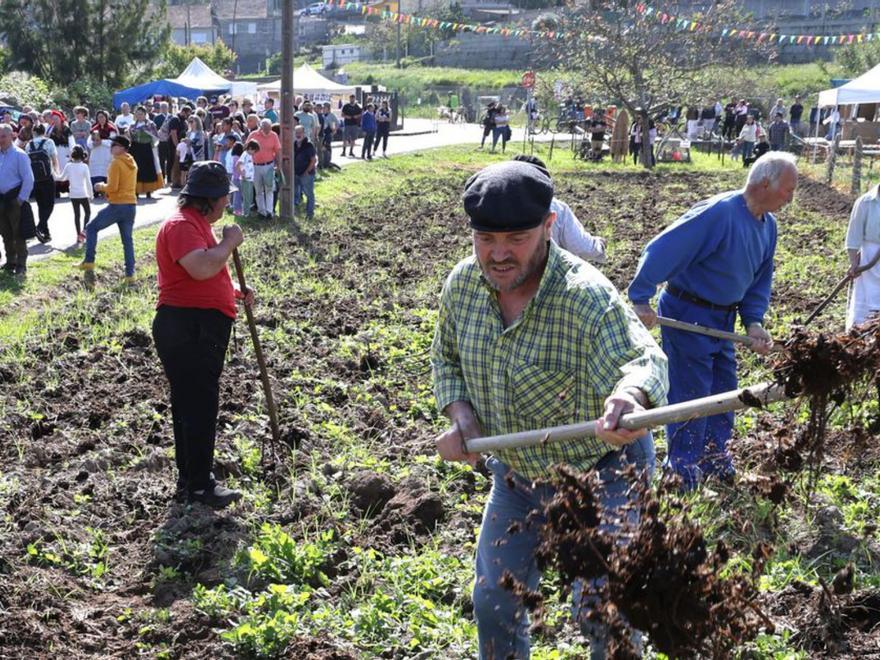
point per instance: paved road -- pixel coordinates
(422, 134)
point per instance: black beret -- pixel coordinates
(508, 196)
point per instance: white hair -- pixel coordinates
(266, 122)
(770, 167)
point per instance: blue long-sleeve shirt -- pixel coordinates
(718, 251)
(15, 170)
(368, 122)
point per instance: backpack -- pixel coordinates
(41, 165)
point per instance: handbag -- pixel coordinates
(27, 228)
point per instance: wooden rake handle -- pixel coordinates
(750, 397)
(258, 349)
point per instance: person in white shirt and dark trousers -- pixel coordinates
(76, 171)
(862, 246)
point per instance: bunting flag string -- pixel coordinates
(664, 18)
(759, 37)
(433, 23)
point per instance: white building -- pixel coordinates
(337, 55)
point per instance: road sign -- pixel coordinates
(528, 79)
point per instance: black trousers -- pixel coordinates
(367, 147)
(86, 209)
(166, 158)
(44, 196)
(192, 344)
(381, 137)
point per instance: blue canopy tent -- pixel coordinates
(196, 80)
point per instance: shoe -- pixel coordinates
(9, 268)
(86, 265)
(128, 280)
(43, 236)
(218, 497)
(20, 271)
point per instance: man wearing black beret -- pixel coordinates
(530, 336)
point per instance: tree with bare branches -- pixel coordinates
(644, 59)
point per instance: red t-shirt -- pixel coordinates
(183, 232)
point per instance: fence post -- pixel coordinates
(856, 188)
(832, 158)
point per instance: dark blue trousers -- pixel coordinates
(698, 366)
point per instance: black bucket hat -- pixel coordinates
(122, 141)
(207, 178)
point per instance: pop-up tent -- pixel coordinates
(196, 80)
(308, 81)
(864, 89)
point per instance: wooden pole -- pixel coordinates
(680, 412)
(288, 48)
(703, 330)
(261, 361)
(842, 283)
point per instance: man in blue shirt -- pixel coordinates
(717, 261)
(16, 184)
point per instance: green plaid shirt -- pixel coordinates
(575, 343)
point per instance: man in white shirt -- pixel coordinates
(568, 232)
(124, 119)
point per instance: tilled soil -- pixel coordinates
(86, 482)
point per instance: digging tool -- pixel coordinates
(715, 404)
(846, 279)
(703, 330)
(258, 349)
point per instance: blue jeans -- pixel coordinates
(122, 215)
(698, 366)
(747, 148)
(304, 184)
(502, 623)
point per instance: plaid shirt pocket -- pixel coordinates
(542, 396)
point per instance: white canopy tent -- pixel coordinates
(309, 82)
(198, 74)
(864, 89)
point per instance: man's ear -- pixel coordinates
(548, 224)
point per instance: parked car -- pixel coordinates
(314, 9)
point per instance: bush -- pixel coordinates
(20, 89)
(86, 91)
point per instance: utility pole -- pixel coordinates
(398, 32)
(288, 45)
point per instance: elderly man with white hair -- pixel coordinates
(717, 263)
(266, 161)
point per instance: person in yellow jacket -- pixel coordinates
(122, 202)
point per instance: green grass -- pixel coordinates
(417, 77)
(277, 587)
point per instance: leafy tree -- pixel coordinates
(640, 60)
(175, 59)
(20, 89)
(63, 41)
(855, 58)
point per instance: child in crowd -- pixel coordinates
(81, 127)
(235, 155)
(76, 171)
(184, 158)
(245, 168)
(99, 159)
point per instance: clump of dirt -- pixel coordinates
(663, 580)
(828, 624)
(413, 511)
(823, 369)
(370, 491)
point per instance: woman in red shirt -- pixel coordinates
(193, 321)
